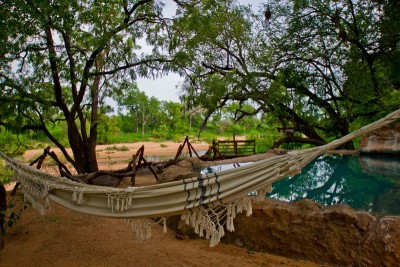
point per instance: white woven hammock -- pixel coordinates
(208, 202)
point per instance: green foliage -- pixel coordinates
(17, 144)
(5, 173)
(315, 65)
(318, 66)
(265, 139)
(126, 123)
(391, 99)
(127, 138)
(60, 60)
(161, 135)
(107, 127)
(60, 132)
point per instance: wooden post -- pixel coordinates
(131, 164)
(178, 153)
(151, 168)
(234, 145)
(139, 154)
(188, 145)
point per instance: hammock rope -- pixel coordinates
(208, 202)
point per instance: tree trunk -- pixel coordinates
(190, 123)
(137, 122)
(83, 163)
(91, 144)
(143, 124)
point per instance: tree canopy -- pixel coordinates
(59, 60)
(320, 67)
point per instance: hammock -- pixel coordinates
(207, 202)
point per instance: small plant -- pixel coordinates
(250, 252)
(163, 145)
(13, 212)
(51, 218)
(118, 148)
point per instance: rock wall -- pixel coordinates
(383, 141)
(381, 166)
(335, 235)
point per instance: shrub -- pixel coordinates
(118, 148)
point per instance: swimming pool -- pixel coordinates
(363, 182)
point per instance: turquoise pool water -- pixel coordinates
(365, 183)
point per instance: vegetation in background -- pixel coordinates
(321, 68)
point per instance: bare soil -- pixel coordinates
(66, 238)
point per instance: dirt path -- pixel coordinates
(66, 238)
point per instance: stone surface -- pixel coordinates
(335, 235)
(180, 171)
(383, 141)
(378, 166)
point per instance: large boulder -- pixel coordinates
(336, 235)
(383, 141)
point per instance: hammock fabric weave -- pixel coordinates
(208, 202)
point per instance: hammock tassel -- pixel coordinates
(47, 203)
(80, 198)
(164, 225)
(122, 205)
(263, 191)
(148, 232)
(141, 228)
(74, 195)
(248, 207)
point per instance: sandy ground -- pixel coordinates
(66, 238)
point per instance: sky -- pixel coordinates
(167, 88)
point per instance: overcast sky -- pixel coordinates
(167, 88)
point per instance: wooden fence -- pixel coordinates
(236, 148)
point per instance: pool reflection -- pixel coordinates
(364, 183)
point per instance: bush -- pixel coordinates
(167, 135)
(5, 174)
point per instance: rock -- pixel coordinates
(308, 205)
(182, 170)
(238, 242)
(340, 214)
(335, 235)
(106, 180)
(364, 220)
(383, 141)
(379, 166)
(184, 164)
